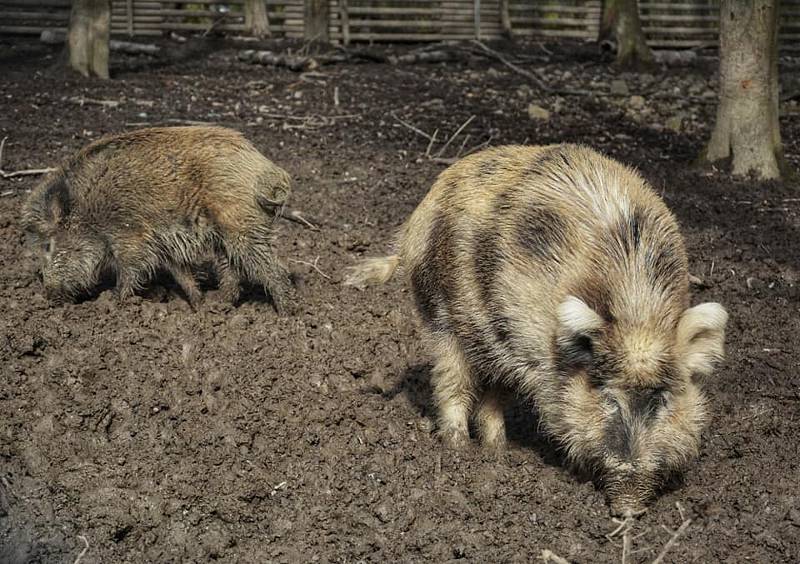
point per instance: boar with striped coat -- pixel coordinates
(161, 199)
(559, 274)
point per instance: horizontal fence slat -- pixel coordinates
(683, 23)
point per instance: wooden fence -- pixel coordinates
(667, 24)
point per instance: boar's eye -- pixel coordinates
(647, 402)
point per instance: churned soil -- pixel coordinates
(146, 432)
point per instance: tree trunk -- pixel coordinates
(89, 30)
(316, 20)
(256, 19)
(620, 24)
(505, 19)
(747, 116)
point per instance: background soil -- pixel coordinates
(160, 435)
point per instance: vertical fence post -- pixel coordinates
(344, 18)
(477, 18)
(316, 20)
(129, 14)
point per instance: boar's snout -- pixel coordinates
(53, 289)
(629, 493)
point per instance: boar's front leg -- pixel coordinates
(182, 274)
(252, 254)
(227, 279)
(490, 418)
(453, 390)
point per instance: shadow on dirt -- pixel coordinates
(522, 421)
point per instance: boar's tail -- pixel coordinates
(376, 270)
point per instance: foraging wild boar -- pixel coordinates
(161, 199)
(559, 274)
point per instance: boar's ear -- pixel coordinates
(47, 206)
(701, 337)
(577, 326)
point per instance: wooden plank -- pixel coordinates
(672, 18)
(399, 11)
(28, 29)
(679, 30)
(644, 6)
(550, 22)
(5, 16)
(37, 3)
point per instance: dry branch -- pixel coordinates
(671, 542)
(56, 37)
(27, 172)
(301, 61)
(550, 556)
(527, 74)
(83, 552)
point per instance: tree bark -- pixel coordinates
(256, 19)
(505, 19)
(620, 24)
(316, 20)
(89, 30)
(747, 115)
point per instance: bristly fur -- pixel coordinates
(161, 199)
(560, 274)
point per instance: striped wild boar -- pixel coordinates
(559, 274)
(161, 199)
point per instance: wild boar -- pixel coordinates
(158, 199)
(559, 274)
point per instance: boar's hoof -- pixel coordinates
(284, 302)
(456, 439)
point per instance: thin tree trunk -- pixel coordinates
(316, 20)
(505, 19)
(256, 19)
(747, 116)
(620, 24)
(89, 30)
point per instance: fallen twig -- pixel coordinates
(170, 121)
(57, 37)
(550, 556)
(82, 101)
(27, 172)
(451, 160)
(671, 542)
(412, 128)
(83, 552)
(312, 265)
(459, 130)
(527, 74)
(624, 526)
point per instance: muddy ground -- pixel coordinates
(149, 433)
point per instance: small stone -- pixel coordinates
(538, 113)
(794, 516)
(636, 102)
(675, 123)
(383, 513)
(619, 88)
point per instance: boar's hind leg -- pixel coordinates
(129, 279)
(453, 390)
(490, 419)
(228, 280)
(182, 274)
(253, 257)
